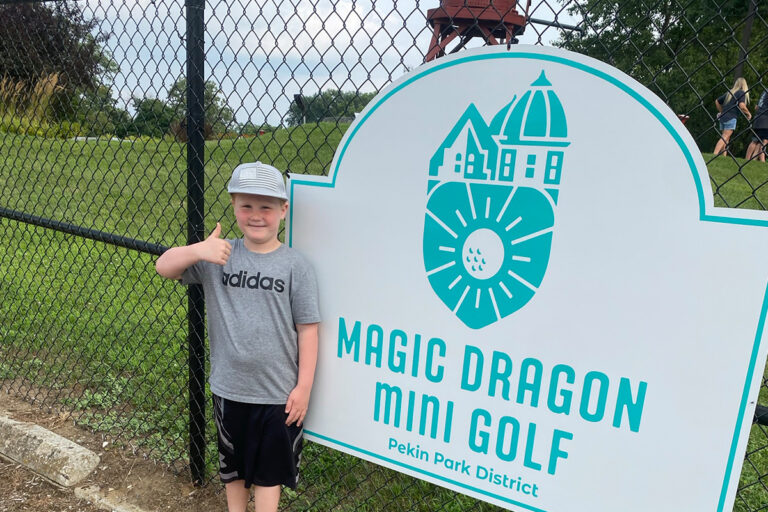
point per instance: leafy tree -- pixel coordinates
(218, 114)
(153, 117)
(685, 52)
(40, 40)
(97, 113)
(331, 104)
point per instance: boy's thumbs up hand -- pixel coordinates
(216, 233)
(215, 249)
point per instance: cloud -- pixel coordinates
(262, 52)
(325, 34)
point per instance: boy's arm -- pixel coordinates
(176, 260)
(298, 400)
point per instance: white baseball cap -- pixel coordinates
(258, 179)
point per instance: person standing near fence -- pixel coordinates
(728, 107)
(263, 315)
(756, 149)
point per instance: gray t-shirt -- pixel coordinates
(253, 305)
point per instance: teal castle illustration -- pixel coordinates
(492, 193)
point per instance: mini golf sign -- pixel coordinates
(528, 294)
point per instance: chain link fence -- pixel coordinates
(120, 123)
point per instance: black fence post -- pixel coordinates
(195, 231)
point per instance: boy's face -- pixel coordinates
(258, 217)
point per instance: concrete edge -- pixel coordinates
(53, 457)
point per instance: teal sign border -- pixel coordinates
(703, 216)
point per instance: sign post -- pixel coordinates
(527, 291)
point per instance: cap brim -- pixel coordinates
(256, 192)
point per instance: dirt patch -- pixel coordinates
(120, 473)
(22, 490)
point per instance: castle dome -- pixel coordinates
(536, 118)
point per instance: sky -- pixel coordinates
(261, 53)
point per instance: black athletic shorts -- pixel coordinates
(256, 445)
(761, 134)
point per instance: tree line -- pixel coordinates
(56, 44)
(54, 68)
(687, 53)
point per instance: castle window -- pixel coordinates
(553, 168)
(475, 168)
(457, 167)
(470, 164)
(507, 169)
(530, 170)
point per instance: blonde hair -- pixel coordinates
(739, 85)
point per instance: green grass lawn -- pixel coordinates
(737, 183)
(96, 330)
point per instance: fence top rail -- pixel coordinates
(81, 231)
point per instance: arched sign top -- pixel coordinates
(707, 210)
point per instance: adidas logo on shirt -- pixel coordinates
(242, 280)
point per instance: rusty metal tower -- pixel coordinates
(496, 21)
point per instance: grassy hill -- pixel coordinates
(91, 326)
(137, 187)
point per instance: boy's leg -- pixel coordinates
(266, 498)
(237, 496)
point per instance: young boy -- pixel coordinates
(263, 316)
